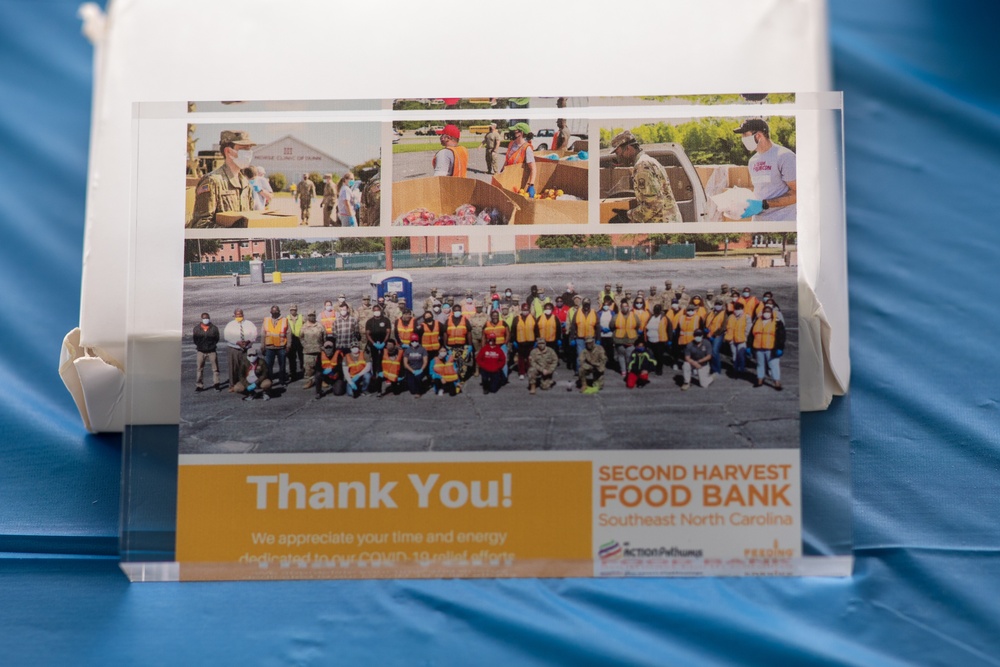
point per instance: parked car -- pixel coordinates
(543, 139)
(684, 181)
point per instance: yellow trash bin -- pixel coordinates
(276, 277)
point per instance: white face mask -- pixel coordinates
(243, 158)
(738, 313)
(767, 316)
(718, 309)
(697, 339)
(329, 308)
(746, 295)
(675, 306)
(606, 308)
(252, 358)
(206, 321)
(750, 143)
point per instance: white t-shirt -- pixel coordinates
(770, 173)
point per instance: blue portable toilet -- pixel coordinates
(399, 282)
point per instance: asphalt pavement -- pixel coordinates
(730, 413)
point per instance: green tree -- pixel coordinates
(317, 180)
(278, 181)
(195, 249)
(296, 247)
(574, 241)
(360, 244)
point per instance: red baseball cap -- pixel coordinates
(451, 131)
(414, 337)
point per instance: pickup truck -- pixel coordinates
(543, 139)
(684, 181)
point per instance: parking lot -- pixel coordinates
(731, 413)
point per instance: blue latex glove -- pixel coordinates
(778, 353)
(754, 206)
(531, 191)
(559, 342)
(350, 383)
(327, 371)
(419, 371)
(468, 350)
(605, 330)
(253, 385)
(514, 344)
(380, 374)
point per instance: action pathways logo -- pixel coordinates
(610, 551)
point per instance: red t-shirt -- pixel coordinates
(491, 358)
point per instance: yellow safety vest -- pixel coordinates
(763, 334)
(688, 326)
(736, 329)
(643, 317)
(328, 320)
(714, 322)
(404, 331)
(548, 328)
(525, 329)
(275, 332)
(330, 362)
(586, 324)
(626, 326)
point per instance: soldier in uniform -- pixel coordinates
(650, 183)
(618, 294)
(304, 193)
(430, 301)
(364, 313)
(313, 336)
(477, 324)
(542, 364)
(491, 142)
(329, 200)
(392, 309)
(593, 362)
(226, 188)
(371, 202)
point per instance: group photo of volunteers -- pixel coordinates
(496, 341)
(699, 353)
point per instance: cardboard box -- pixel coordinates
(572, 180)
(444, 194)
(608, 207)
(255, 219)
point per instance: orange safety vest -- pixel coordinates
(468, 310)
(327, 321)
(355, 366)
(431, 340)
(664, 329)
(764, 333)
(626, 326)
(714, 322)
(556, 138)
(275, 332)
(446, 369)
(673, 316)
(330, 362)
(517, 155)
(404, 331)
(391, 364)
(499, 330)
(525, 329)
(736, 329)
(688, 327)
(750, 305)
(456, 333)
(548, 328)
(701, 311)
(461, 161)
(586, 327)
(643, 317)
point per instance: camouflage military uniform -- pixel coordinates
(476, 325)
(652, 189)
(541, 366)
(592, 365)
(371, 203)
(305, 192)
(392, 310)
(220, 192)
(364, 313)
(329, 202)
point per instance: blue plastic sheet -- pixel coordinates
(922, 134)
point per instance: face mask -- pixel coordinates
(328, 350)
(697, 339)
(329, 309)
(355, 350)
(468, 299)
(275, 315)
(508, 294)
(718, 309)
(436, 309)
(524, 313)
(239, 319)
(206, 321)
(767, 316)
(639, 305)
(243, 158)
(312, 319)
(251, 358)
(606, 308)
(548, 311)
(690, 313)
(378, 313)
(738, 313)
(340, 299)
(746, 294)
(750, 143)
(675, 306)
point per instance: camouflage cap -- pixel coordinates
(235, 137)
(622, 139)
(366, 297)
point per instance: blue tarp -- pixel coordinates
(923, 144)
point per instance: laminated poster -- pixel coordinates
(470, 337)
